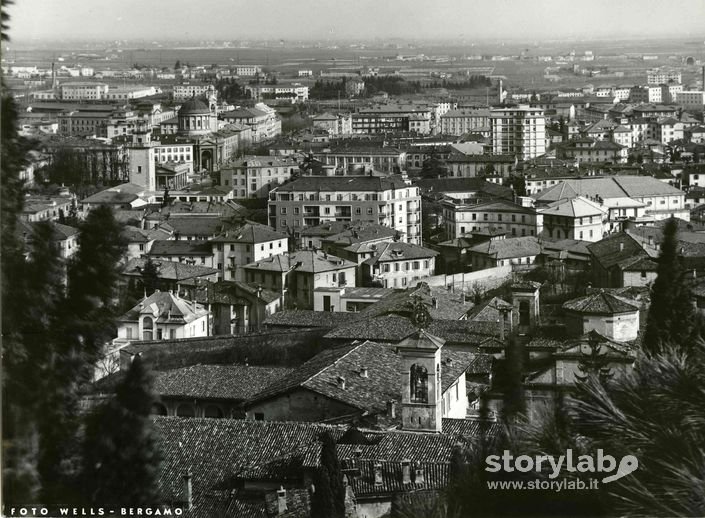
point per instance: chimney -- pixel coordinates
(281, 501)
(391, 408)
(406, 471)
(188, 493)
(419, 477)
(651, 240)
(363, 372)
(378, 474)
(341, 383)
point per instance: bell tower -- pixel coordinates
(141, 158)
(421, 399)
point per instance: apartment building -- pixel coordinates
(463, 120)
(465, 217)
(691, 100)
(519, 131)
(657, 76)
(590, 150)
(384, 159)
(397, 265)
(393, 118)
(575, 218)
(254, 176)
(340, 124)
(248, 70)
(310, 201)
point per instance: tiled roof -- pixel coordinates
(509, 248)
(343, 183)
(309, 318)
(617, 249)
(202, 226)
(607, 187)
(232, 382)
(399, 251)
(361, 477)
(361, 233)
(489, 311)
(181, 248)
(451, 185)
(600, 303)
(448, 305)
(250, 232)
(312, 261)
(573, 208)
(166, 308)
(170, 270)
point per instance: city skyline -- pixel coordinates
(35, 20)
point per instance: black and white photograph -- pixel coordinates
(373, 259)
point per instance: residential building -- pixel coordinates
(340, 124)
(519, 131)
(383, 159)
(691, 100)
(574, 218)
(657, 76)
(297, 274)
(397, 264)
(254, 176)
(504, 252)
(186, 91)
(347, 299)
(620, 260)
(162, 316)
(248, 243)
(465, 217)
(462, 120)
(393, 118)
(605, 312)
(310, 201)
(248, 70)
(656, 200)
(493, 166)
(46, 208)
(590, 150)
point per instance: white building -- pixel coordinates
(83, 91)
(520, 131)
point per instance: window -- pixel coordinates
(418, 383)
(485, 217)
(425, 264)
(296, 210)
(147, 327)
(369, 210)
(358, 210)
(283, 210)
(141, 247)
(417, 265)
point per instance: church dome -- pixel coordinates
(194, 107)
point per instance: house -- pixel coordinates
(347, 299)
(612, 316)
(488, 165)
(243, 244)
(505, 252)
(621, 260)
(398, 264)
(171, 275)
(297, 274)
(574, 218)
(254, 176)
(163, 315)
(590, 150)
(462, 218)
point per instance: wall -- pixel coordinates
(375, 509)
(300, 405)
(268, 348)
(487, 279)
(636, 279)
(618, 327)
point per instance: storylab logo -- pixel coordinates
(601, 463)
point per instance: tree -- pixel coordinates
(513, 385)
(177, 65)
(150, 277)
(120, 454)
(671, 315)
(519, 185)
(329, 496)
(434, 167)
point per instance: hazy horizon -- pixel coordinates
(311, 20)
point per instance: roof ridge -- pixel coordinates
(334, 363)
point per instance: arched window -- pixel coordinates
(158, 409)
(147, 327)
(419, 384)
(185, 410)
(213, 411)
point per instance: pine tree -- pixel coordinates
(671, 315)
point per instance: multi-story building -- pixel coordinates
(384, 159)
(575, 218)
(168, 148)
(296, 92)
(462, 218)
(462, 120)
(340, 124)
(248, 70)
(254, 176)
(590, 150)
(488, 165)
(519, 131)
(657, 76)
(263, 121)
(397, 265)
(691, 100)
(124, 93)
(310, 201)
(83, 91)
(186, 91)
(391, 118)
(250, 242)
(296, 275)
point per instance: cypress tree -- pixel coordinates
(671, 316)
(322, 505)
(329, 460)
(120, 454)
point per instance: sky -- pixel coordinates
(360, 19)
